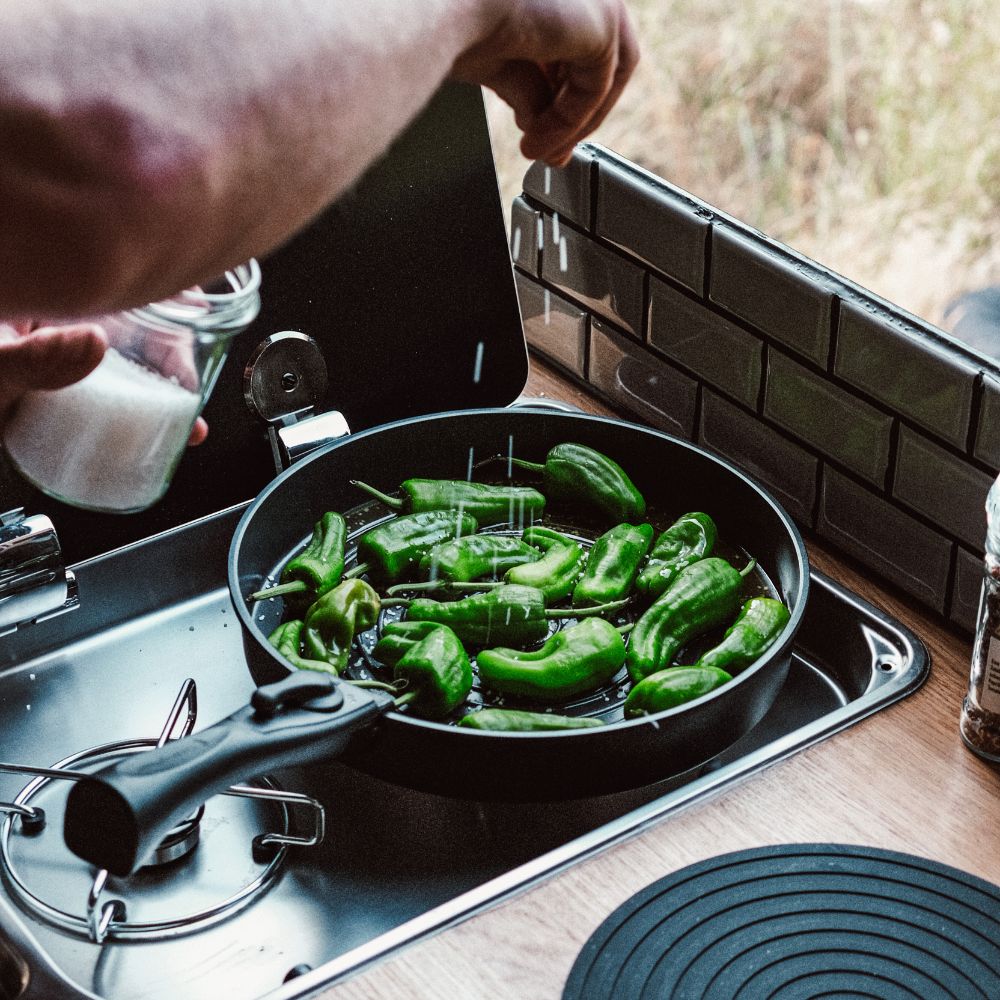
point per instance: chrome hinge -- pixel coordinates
(283, 382)
(34, 582)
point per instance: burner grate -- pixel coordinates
(22, 850)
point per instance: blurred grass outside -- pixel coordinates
(863, 133)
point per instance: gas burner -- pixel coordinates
(198, 859)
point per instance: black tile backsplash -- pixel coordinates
(879, 534)
(987, 445)
(649, 220)
(786, 469)
(565, 191)
(772, 292)
(873, 428)
(836, 423)
(605, 281)
(941, 486)
(526, 235)
(906, 370)
(966, 589)
(721, 353)
(634, 380)
(552, 325)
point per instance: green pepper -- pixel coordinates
(437, 672)
(287, 640)
(556, 573)
(474, 556)
(579, 475)
(704, 595)
(318, 567)
(574, 661)
(488, 504)
(399, 637)
(671, 687)
(507, 720)
(690, 538)
(395, 547)
(336, 618)
(760, 622)
(503, 613)
(613, 564)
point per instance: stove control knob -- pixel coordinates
(306, 689)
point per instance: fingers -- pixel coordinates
(587, 91)
(51, 357)
(198, 433)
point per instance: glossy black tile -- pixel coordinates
(553, 326)
(602, 279)
(987, 443)
(713, 348)
(648, 219)
(631, 378)
(941, 486)
(781, 296)
(783, 467)
(566, 191)
(903, 367)
(884, 538)
(526, 235)
(837, 423)
(966, 589)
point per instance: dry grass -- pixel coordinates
(865, 133)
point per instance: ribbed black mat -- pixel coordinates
(799, 921)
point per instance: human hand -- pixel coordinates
(560, 64)
(51, 357)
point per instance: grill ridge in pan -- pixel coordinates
(799, 920)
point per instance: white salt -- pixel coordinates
(108, 442)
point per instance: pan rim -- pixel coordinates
(779, 648)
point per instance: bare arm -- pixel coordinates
(147, 146)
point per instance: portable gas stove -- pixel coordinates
(287, 883)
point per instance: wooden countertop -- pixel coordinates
(900, 780)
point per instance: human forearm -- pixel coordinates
(144, 147)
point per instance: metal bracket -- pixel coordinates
(284, 380)
(34, 583)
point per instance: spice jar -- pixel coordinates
(980, 719)
(111, 441)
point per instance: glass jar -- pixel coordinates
(112, 441)
(980, 719)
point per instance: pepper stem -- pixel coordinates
(597, 609)
(393, 503)
(748, 569)
(524, 464)
(405, 699)
(625, 629)
(293, 587)
(376, 685)
(397, 602)
(356, 571)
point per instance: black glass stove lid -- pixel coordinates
(799, 920)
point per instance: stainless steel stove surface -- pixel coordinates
(230, 915)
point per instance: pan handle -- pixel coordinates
(116, 817)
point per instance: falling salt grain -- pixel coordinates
(516, 248)
(563, 256)
(555, 227)
(548, 180)
(477, 369)
(541, 234)
(548, 306)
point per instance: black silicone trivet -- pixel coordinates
(799, 921)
